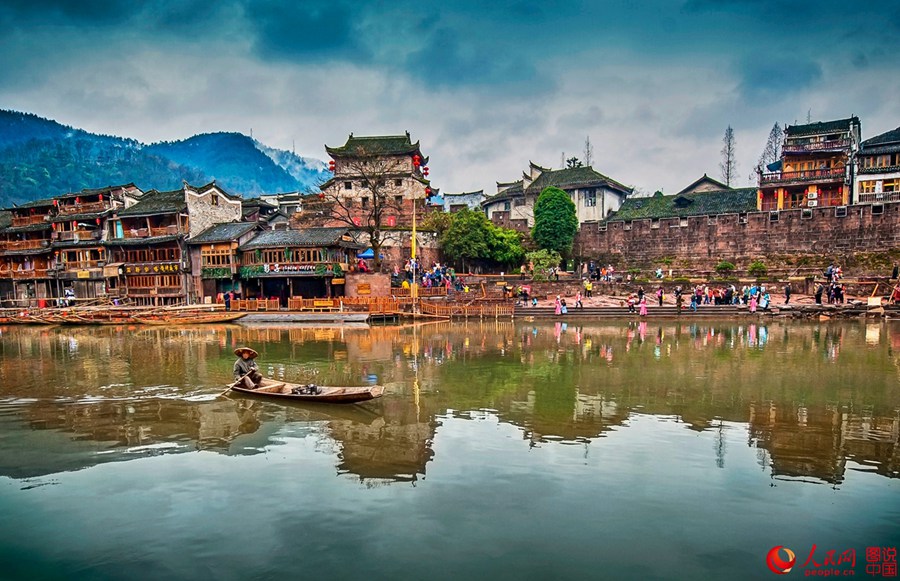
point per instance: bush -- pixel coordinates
(757, 269)
(724, 268)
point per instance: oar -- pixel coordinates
(227, 389)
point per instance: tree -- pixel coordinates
(573, 162)
(543, 260)
(729, 161)
(472, 238)
(555, 222)
(368, 208)
(588, 152)
(772, 151)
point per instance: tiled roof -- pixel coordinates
(698, 204)
(820, 127)
(573, 178)
(94, 192)
(31, 251)
(376, 145)
(29, 228)
(305, 237)
(74, 244)
(5, 219)
(75, 217)
(512, 191)
(154, 202)
(223, 233)
(884, 143)
(209, 186)
(142, 241)
(37, 204)
(705, 179)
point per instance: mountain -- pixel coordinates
(40, 158)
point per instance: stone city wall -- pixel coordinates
(866, 238)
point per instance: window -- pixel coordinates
(877, 209)
(519, 202)
(398, 183)
(773, 216)
(364, 202)
(654, 223)
(506, 205)
(891, 185)
(348, 185)
(867, 187)
(398, 199)
(214, 200)
(590, 198)
(712, 220)
(806, 214)
(840, 212)
(742, 218)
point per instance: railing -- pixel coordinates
(819, 146)
(27, 220)
(803, 175)
(24, 244)
(255, 305)
(28, 274)
(137, 233)
(82, 264)
(435, 291)
(86, 208)
(376, 305)
(155, 291)
(468, 310)
(878, 198)
(148, 232)
(77, 235)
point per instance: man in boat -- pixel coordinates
(245, 368)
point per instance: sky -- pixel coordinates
(485, 87)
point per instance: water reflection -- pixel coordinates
(814, 399)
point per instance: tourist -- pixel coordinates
(558, 310)
(787, 293)
(227, 299)
(660, 295)
(631, 302)
(643, 312)
(640, 293)
(820, 288)
(752, 303)
(562, 307)
(245, 369)
(694, 302)
(578, 304)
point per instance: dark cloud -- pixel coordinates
(776, 78)
(306, 29)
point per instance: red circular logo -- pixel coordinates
(777, 563)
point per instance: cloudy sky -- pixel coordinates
(485, 86)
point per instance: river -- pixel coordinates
(500, 450)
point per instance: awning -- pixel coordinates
(367, 254)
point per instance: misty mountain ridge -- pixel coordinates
(40, 158)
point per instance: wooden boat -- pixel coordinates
(189, 318)
(324, 394)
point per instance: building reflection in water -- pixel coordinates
(812, 397)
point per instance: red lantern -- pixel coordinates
(55, 202)
(425, 171)
(427, 191)
(77, 200)
(321, 195)
(98, 221)
(417, 160)
(331, 166)
(53, 225)
(101, 197)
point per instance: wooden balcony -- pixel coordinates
(77, 235)
(812, 175)
(85, 208)
(82, 264)
(833, 145)
(30, 274)
(879, 198)
(879, 170)
(24, 244)
(19, 221)
(149, 232)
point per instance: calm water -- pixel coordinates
(500, 451)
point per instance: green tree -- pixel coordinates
(543, 260)
(555, 223)
(472, 238)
